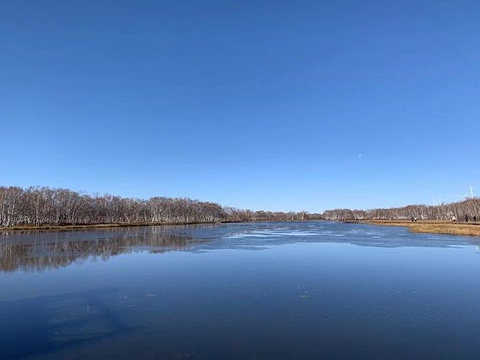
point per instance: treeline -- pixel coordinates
(37, 206)
(468, 207)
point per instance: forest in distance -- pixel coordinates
(467, 208)
(39, 206)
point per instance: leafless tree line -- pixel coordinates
(469, 207)
(37, 206)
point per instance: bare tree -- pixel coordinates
(36, 206)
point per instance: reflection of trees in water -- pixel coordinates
(42, 251)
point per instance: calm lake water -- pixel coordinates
(310, 290)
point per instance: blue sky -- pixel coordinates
(277, 105)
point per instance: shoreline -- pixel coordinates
(431, 226)
(421, 226)
(69, 227)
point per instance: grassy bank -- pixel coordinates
(432, 226)
(92, 226)
(27, 228)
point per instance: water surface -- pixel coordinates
(241, 291)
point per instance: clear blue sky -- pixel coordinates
(279, 105)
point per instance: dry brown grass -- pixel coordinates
(26, 228)
(433, 226)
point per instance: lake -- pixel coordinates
(306, 290)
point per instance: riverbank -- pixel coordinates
(94, 226)
(431, 226)
(28, 228)
(421, 226)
